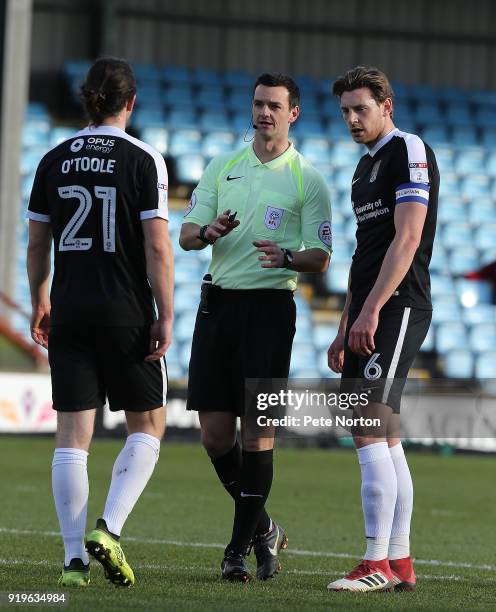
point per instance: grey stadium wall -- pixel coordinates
(442, 42)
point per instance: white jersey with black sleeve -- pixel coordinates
(95, 189)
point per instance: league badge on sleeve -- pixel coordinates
(418, 172)
(273, 217)
(325, 233)
(191, 205)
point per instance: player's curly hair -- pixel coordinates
(276, 79)
(364, 76)
(109, 84)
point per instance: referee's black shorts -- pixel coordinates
(247, 333)
(91, 363)
(382, 375)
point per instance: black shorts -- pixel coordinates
(246, 334)
(89, 364)
(383, 374)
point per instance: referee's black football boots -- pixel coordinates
(267, 546)
(234, 567)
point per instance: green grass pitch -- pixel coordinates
(175, 536)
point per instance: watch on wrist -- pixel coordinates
(288, 258)
(202, 236)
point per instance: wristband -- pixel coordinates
(202, 236)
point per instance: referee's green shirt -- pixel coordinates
(285, 200)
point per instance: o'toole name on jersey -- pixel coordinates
(88, 164)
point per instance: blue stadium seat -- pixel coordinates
(304, 359)
(449, 336)
(214, 120)
(459, 114)
(483, 337)
(346, 154)
(439, 259)
(237, 78)
(144, 117)
(179, 96)
(459, 363)
(428, 112)
(324, 334)
(442, 284)
(446, 309)
(485, 365)
(205, 76)
(308, 126)
(157, 137)
(209, 96)
(59, 134)
(471, 292)
(185, 142)
(445, 159)
(342, 178)
(491, 164)
(470, 160)
(434, 134)
(337, 277)
(485, 235)
(240, 101)
(452, 95)
(146, 71)
(184, 326)
(330, 109)
(463, 259)
(488, 137)
(176, 75)
(481, 210)
(486, 118)
(450, 185)
(215, 143)
(451, 208)
(337, 131)
(474, 185)
(189, 168)
(423, 93)
(480, 313)
(315, 150)
(342, 248)
(465, 135)
(456, 234)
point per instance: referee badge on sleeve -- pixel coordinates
(191, 205)
(325, 233)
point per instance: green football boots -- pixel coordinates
(105, 549)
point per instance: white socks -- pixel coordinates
(132, 470)
(379, 489)
(70, 492)
(399, 543)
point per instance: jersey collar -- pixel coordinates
(106, 130)
(273, 163)
(384, 140)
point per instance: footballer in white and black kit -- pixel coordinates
(385, 318)
(95, 189)
(399, 168)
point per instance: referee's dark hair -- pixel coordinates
(276, 79)
(364, 76)
(109, 84)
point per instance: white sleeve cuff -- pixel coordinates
(37, 217)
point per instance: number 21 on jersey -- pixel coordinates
(68, 239)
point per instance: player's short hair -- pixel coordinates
(108, 86)
(364, 76)
(276, 79)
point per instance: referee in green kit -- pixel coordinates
(258, 207)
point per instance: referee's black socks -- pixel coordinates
(228, 468)
(255, 482)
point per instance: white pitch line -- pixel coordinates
(292, 551)
(190, 568)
